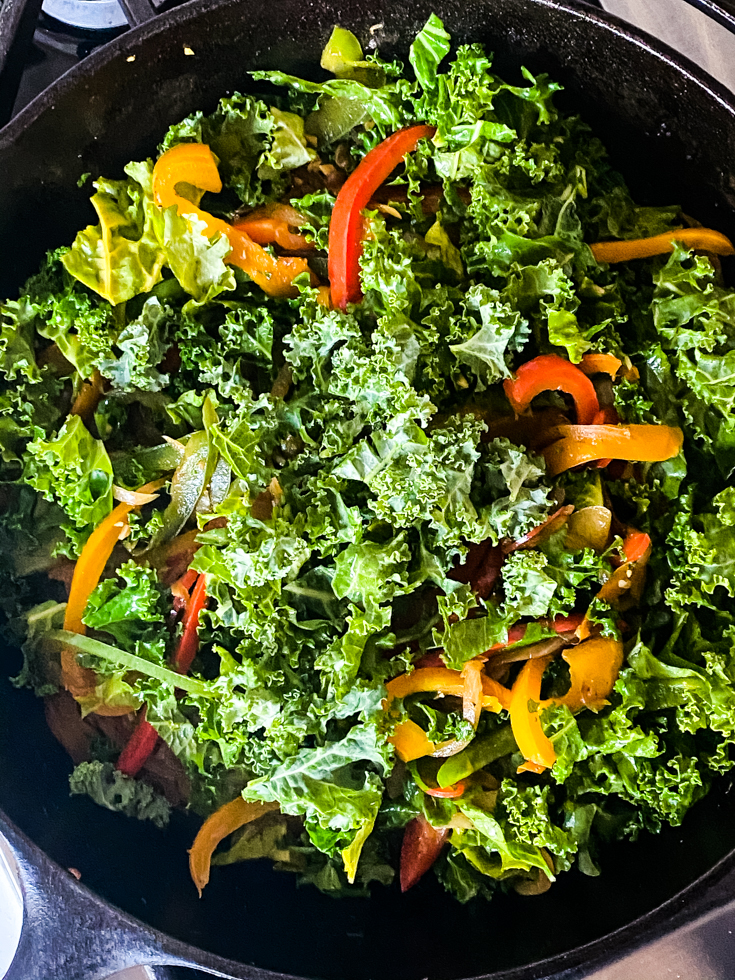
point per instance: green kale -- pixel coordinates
(115, 791)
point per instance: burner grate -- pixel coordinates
(90, 15)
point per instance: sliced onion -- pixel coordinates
(134, 497)
(534, 650)
(472, 694)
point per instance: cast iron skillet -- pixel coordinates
(672, 132)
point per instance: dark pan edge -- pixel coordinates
(124, 43)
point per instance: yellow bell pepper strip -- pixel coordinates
(577, 444)
(194, 164)
(81, 681)
(215, 828)
(549, 372)
(596, 363)
(594, 666)
(443, 680)
(409, 739)
(534, 745)
(703, 239)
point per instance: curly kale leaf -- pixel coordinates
(74, 471)
(115, 791)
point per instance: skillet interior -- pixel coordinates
(673, 140)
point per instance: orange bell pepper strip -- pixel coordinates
(215, 828)
(346, 225)
(525, 724)
(608, 415)
(549, 372)
(703, 239)
(624, 588)
(595, 363)
(275, 276)
(577, 444)
(272, 224)
(194, 164)
(81, 681)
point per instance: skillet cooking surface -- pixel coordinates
(672, 139)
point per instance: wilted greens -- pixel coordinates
(331, 472)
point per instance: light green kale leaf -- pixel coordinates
(72, 470)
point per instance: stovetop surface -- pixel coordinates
(67, 31)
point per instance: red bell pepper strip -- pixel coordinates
(145, 737)
(345, 229)
(636, 544)
(189, 642)
(139, 748)
(560, 624)
(541, 532)
(189, 578)
(442, 792)
(421, 846)
(549, 372)
(447, 792)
